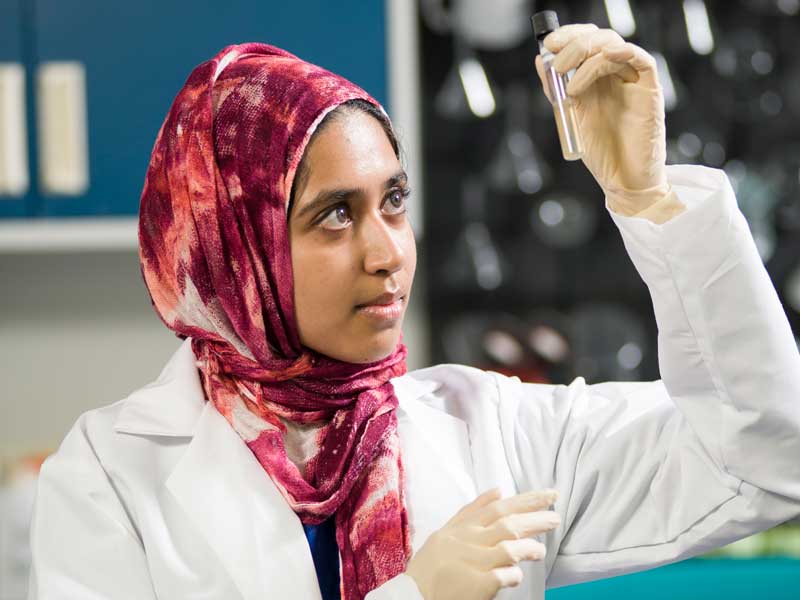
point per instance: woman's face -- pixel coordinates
(351, 242)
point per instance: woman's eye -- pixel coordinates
(397, 201)
(337, 218)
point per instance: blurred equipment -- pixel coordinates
(496, 25)
(620, 17)
(547, 337)
(494, 342)
(757, 200)
(476, 261)
(517, 165)
(792, 289)
(563, 219)
(698, 27)
(466, 90)
(609, 343)
(533, 234)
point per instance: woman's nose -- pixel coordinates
(383, 250)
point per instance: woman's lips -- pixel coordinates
(384, 312)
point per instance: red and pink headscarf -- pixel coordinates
(215, 256)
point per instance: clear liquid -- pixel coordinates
(568, 132)
(563, 110)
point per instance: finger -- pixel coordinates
(520, 503)
(502, 577)
(510, 552)
(477, 504)
(596, 67)
(543, 78)
(637, 58)
(584, 46)
(518, 526)
(564, 35)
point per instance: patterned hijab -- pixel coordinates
(215, 256)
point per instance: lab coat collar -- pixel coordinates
(240, 513)
(171, 404)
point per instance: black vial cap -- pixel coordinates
(544, 22)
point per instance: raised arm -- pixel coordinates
(653, 472)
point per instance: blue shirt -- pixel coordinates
(322, 540)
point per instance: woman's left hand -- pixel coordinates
(619, 105)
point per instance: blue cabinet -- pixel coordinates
(137, 55)
(12, 54)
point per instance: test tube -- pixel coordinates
(543, 23)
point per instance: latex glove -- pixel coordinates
(619, 106)
(477, 551)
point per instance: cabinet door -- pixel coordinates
(137, 55)
(15, 111)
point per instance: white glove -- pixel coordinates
(620, 110)
(477, 551)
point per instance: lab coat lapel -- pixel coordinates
(436, 453)
(221, 487)
(241, 514)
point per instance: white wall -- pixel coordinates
(76, 332)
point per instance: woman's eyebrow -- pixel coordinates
(326, 196)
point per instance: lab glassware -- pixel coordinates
(545, 22)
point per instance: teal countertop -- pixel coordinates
(697, 579)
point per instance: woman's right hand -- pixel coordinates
(477, 551)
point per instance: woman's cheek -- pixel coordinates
(410, 249)
(332, 278)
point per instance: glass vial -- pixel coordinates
(545, 22)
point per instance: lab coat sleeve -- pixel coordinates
(654, 472)
(82, 542)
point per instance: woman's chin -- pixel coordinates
(359, 345)
(374, 349)
(374, 356)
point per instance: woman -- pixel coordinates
(274, 240)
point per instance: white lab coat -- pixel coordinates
(156, 496)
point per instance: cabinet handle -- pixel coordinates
(61, 125)
(13, 132)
